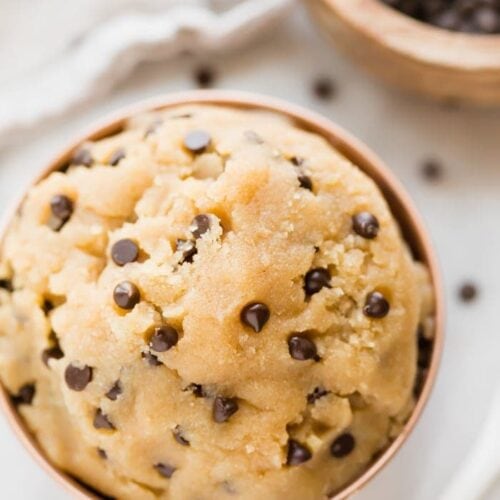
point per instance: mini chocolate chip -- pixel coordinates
(6, 284)
(302, 348)
(255, 315)
(164, 338)
(25, 395)
(179, 436)
(305, 181)
(200, 225)
(197, 390)
(117, 157)
(468, 292)
(204, 77)
(224, 408)
(78, 378)
(126, 295)
(197, 141)
(188, 250)
(342, 445)
(101, 421)
(102, 454)
(53, 352)
(366, 225)
(316, 394)
(297, 160)
(324, 88)
(432, 170)
(151, 359)
(124, 251)
(82, 157)
(47, 306)
(297, 453)
(376, 305)
(115, 391)
(316, 279)
(61, 207)
(165, 470)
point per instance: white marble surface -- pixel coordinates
(461, 211)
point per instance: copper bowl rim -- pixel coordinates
(352, 148)
(400, 32)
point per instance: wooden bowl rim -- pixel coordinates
(348, 145)
(415, 39)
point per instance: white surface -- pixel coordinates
(462, 212)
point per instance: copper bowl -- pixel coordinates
(410, 222)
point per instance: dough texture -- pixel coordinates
(251, 336)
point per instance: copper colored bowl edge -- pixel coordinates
(401, 205)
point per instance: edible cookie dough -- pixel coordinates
(210, 304)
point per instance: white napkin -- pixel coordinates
(73, 51)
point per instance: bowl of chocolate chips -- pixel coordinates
(216, 295)
(445, 49)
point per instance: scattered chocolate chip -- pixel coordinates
(187, 249)
(255, 315)
(151, 359)
(252, 136)
(366, 225)
(316, 279)
(432, 170)
(78, 378)
(376, 305)
(53, 352)
(47, 306)
(197, 390)
(61, 207)
(316, 394)
(302, 348)
(126, 295)
(101, 421)
(82, 157)
(297, 161)
(124, 251)
(115, 391)
(165, 470)
(342, 445)
(164, 338)
(305, 181)
(179, 436)
(25, 395)
(6, 284)
(117, 157)
(324, 88)
(197, 141)
(224, 408)
(297, 453)
(468, 292)
(204, 77)
(200, 225)
(102, 454)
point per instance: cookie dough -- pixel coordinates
(210, 304)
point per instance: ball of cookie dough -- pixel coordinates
(212, 303)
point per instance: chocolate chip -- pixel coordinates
(305, 181)
(165, 470)
(366, 225)
(25, 395)
(117, 157)
(101, 421)
(376, 305)
(179, 436)
(197, 141)
(342, 445)
(151, 359)
(324, 88)
(61, 207)
(316, 279)
(6, 284)
(115, 391)
(432, 170)
(53, 352)
(468, 292)
(47, 306)
(297, 453)
(204, 77)
(126, 295)
(124, 251)
(197, 390)
(82, 157)
(187, 249)
(224, 408)
(200, 225)
(255, 315)
(316, 394)
(297, 160)
(78, 378)
(164, 338)
(302, 348)
(102, 454)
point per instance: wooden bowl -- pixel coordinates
(409, 220)
(413, 55)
